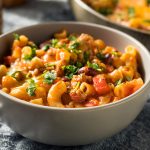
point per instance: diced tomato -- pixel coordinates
(92, 102)
(78, 97)
(101, 85)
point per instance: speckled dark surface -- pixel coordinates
(135, 137)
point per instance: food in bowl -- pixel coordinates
(131, 13)
(79, 125)
(69, 70)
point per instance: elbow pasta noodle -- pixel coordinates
(87, 89)
(38, 101)
(115, 75)
(20, 92)
(63, 55)
(3, 71)
(131, 13)
(55, 93)
(69, 71)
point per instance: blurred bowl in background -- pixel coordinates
(85, 13)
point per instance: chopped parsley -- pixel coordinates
(28, 75)
(72, 38)
(49, 65)
(70, 70)
(32, 45)
(76, 51)
(118, 82)
(128, 78)
(16, 36)
(62, 45)
(31, 88)
(75, 45)
(33, 53)
(78, 64)
(100, 56)
(131, 12)
(86, 56)
(74, 48)
(95, 66)
(18, 75)
(49, 77)
(114, 53)
(46, 47)
(77, 86)
(54, 42)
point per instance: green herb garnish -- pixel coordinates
(131, 12)
(78, 64)
(77, 85)
(31, 88)
(62, 45)
(18, 75)
(86, 56)
(72, 38)
(75, 45)
(118, 82)
(16, 36)
(74, 48)
(33, 53)
(76, 51)
(33, 45)
(114, 53)
(54, 42)
(49, 77)
(50, 65)
(95, 66)
(46, 47)
(28, 75)
(100, 56)
(70, 70)
(128, 78)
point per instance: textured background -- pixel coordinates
(135, 137)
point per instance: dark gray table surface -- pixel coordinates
(135, 137)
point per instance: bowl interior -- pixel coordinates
(112, 37)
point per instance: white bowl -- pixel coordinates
(77, 126)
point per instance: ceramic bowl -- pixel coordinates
(85, 13)
(77, 126)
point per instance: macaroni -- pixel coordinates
(131, 13)
(69, 71)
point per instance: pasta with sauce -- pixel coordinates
(69, 71)
(131, 13)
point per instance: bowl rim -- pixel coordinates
(123, 100)
(100, 16)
